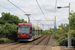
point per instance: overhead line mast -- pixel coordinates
(55, 19)
(55, 7)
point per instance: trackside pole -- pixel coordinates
(69, 34)
(55, 28)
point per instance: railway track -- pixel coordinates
(32, 44)
(28, 47)
(12, 46)
(46, 43)
(19, 45)
(43, 41)
(37, 42)
(6, 45)
(15, 46)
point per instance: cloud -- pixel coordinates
(31, 7)
(0, 15)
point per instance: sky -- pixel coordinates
(47, 6)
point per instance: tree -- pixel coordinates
(60, 26)
(72, 20)
(8, 25)
(60, 31)
(2, 21)
(7, 17)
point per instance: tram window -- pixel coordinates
(36, 31)
(23, 29)
(31, 30)
(41, 31)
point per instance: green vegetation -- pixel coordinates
(51, 31)
(60, 31)
(4, 40)
(8, 27)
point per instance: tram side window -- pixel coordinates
(36, 31)
(31, 30)
(41, 31)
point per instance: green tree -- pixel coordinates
(7, 17)
(72, 20)
(60, 31)
(8, 25)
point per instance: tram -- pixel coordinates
(28, 32)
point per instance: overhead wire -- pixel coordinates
(17, 7)
(42, 10)
(9, 10)
(20, 9)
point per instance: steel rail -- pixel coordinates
(38, 42)
(27, 45)
(18, 46)
(46, 43)
(9, 45)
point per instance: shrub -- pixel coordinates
(4, 40)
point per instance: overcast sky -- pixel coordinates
(48, 7)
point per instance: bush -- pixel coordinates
(8, 26)
(73, 37)
(61, 42)
(61, 38)
(4, 40)
(8, 31)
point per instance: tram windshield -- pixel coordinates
(23, 29)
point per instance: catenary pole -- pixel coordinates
(69, 34)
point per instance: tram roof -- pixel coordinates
(34, 26)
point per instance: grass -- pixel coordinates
(4, 40)
(56, 42)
